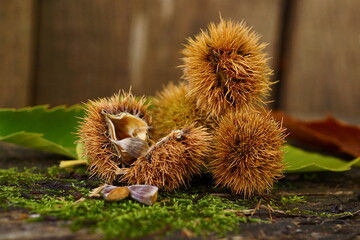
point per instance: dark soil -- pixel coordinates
(331, 209)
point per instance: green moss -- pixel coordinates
(319, 214)
(56, 171)
(287, 200)
(284, 202)
(13, 177)
(53, 196)
(131, 219)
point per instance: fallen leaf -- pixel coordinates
(39, 127)
(298, 160)
(329, 134)
(346, 136)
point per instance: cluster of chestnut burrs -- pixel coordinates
(211, 121)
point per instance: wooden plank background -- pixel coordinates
(67, 51)
(16, 52)
(93, 48)
(323, 69)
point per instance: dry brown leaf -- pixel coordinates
(327, 134)
(345, 135)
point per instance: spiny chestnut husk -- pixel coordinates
(114, 132)
(247, 152)
(174, 110)
(172, 161)
(226, 68)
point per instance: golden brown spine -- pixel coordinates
(174, 110)
(226, 68)
(172, 161)
(248, 152)
(94, 135)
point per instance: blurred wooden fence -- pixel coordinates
(67, 51)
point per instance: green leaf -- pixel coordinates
(52, 130)
(39, 127)
(298, 160)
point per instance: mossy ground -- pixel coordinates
(57, 196)
(299, 208)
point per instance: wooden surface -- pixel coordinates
(16, 52)
(65, 51)
(171, 22)
(82, 50)
(94, 49)
(323, 68)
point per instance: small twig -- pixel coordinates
(245, 212)
(72, 163)
(316, 194)
(270, 209)
(198, 197)
(221, 195)
(350, 215)
(257, 207)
